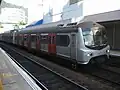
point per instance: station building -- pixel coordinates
(11, 14)
(105, 12)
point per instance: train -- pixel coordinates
(80, 43)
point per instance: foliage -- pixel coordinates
(16, 26)
(19, 24)
(1, 26)
(22, 23)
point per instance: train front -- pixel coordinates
(95, 45)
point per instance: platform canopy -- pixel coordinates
(104, 17)
(36, 23)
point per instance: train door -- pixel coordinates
(21, 39)
(52, 43)
(33, 40)
(29, 42)
(14, 37)
(25, 40)
(73, 45)
(38, 42)
(17, 39)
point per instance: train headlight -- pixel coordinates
(89, 54)
(107, 51)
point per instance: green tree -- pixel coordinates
(1, 26)
(16, 26)
(22, 23)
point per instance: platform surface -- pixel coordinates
(12, 77)
(114, 53)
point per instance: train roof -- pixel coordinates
(89, 24)
(71, 27)
(49, 30)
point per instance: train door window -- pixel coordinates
(49, 39)
(62, 40)
(44, 39)
(53, 40)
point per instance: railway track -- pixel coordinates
(114, 62)
(97, 75)
(106, 73)
(49, 78)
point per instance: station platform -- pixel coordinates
(114, 53)
(12, 77)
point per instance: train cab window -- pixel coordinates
(62, 40)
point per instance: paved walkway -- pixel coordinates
(114, 53)
(12, 77)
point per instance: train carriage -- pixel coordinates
(80, 43)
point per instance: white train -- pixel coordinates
(80, 43)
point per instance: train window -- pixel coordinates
(62, 40)
(33, 38)
(25, 38)
(20, 37)
(44, 39)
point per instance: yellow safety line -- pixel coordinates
(5, 75)
(1, 85)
